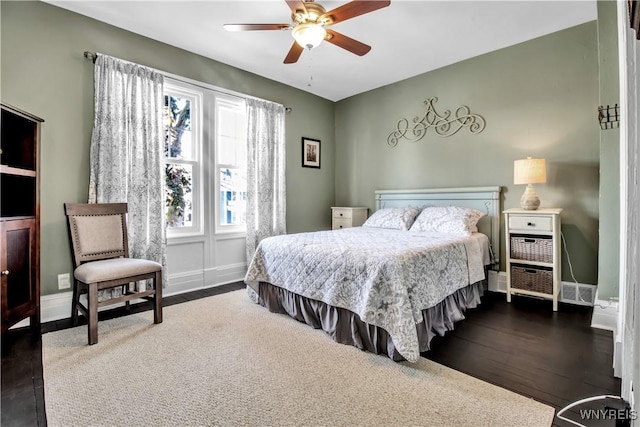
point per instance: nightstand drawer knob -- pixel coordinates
(340, 226)
(531, 224)
(340, 214)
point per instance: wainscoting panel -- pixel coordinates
(229, 251)
(185, 257)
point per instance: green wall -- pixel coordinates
(538, 98)
(609, 253)
(43, 71)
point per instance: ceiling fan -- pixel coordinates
(311, 22)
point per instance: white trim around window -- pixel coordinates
(194, 160)
(234, 107)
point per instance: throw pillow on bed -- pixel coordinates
(448, 219)
(395, 218)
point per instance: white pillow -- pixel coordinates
(448, 219)
(395, 218)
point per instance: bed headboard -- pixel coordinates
(485, 199)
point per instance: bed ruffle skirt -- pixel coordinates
(346, 327)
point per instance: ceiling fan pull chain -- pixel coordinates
(310, 70)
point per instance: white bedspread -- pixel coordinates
(385, 276)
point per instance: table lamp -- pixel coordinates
(529, 171)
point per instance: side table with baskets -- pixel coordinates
(533, 253)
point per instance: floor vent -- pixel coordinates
(577, 293)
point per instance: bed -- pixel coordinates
(393, 284)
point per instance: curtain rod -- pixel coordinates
(93, 56)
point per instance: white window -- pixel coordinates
(205, 142)
(231, 163)
(182, 120)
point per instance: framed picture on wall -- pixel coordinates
(310, 153)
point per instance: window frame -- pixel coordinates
(175, 88)
(230, 102)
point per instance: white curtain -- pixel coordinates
(127, 148)
(266, 189)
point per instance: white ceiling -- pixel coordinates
(407, 38)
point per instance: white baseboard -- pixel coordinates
(52, 307)
(617, 357)
(58, 306)
(498, 281)
(231, 273)
(605, 315)
(184, 282)
(175, 291)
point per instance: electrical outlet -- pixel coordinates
(64, 281)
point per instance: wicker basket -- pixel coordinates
(532, 248)
(535, 279)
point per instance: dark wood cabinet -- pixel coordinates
(19, 218)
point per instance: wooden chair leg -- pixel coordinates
(92, 297)
(74, 303)
(157, 298)
(125, 289)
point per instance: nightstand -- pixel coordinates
(533, 253)
(343, 217)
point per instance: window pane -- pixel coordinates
(179, 195)
(233, 196)
(226, 153)
(177, 127)
(232, 146)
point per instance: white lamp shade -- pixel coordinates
(309, 35)
(530, 171)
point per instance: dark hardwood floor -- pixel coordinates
(555, 358)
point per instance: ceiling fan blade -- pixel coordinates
(294, 53)
(253, 27)
(296, 6)
(354, 8)
(347, 43)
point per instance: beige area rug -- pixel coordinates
(224, 361)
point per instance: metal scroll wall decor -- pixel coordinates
(443, 124)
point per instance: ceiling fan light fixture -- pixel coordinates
(309, 35)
